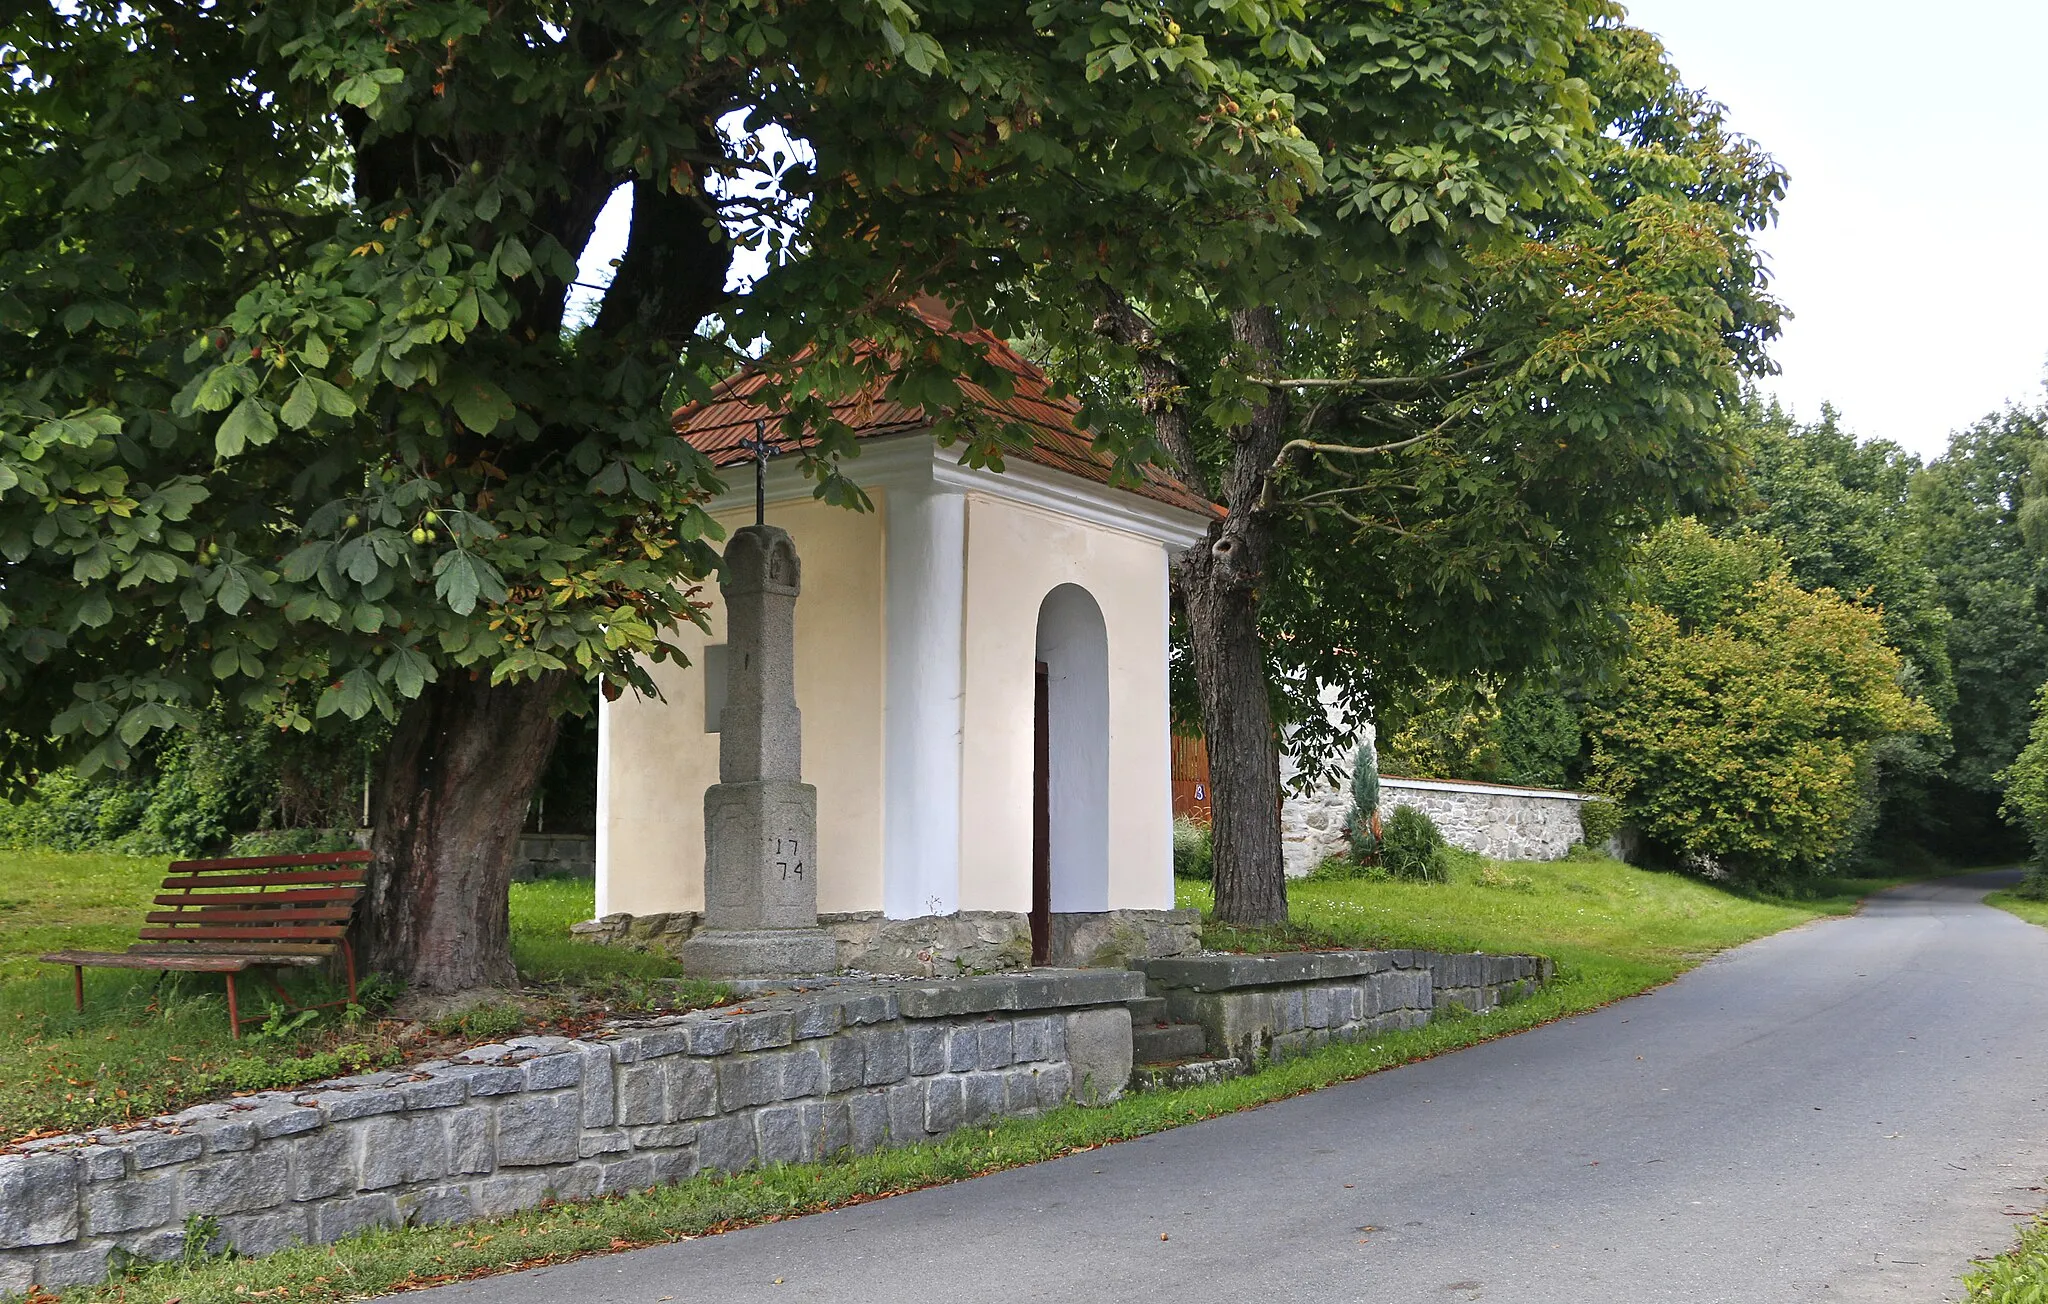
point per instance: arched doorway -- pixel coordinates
(1070, 788)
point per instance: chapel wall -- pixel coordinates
(1016, 555)
(656, 759)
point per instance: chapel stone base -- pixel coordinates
(936, 946)
(758, 952)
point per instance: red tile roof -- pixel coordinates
(717, 426)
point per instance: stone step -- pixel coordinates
(1147, 1010)
(1160, 1042)
(1187, 1073)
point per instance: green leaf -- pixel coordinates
(365, 88)
(304, 561)
(211, 391)
(156, 567)
(351, 695)
(408, 670)
(300, 406)
(358, 560)
(144, 717)
(233, 593)
(482, 406)
(513, 260)
(496, 315)
(334, 400)
(249, 423)
(95, 563)
(175, 499)
(922, 52)
(457, 582)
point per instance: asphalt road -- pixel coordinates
(1848, 1111)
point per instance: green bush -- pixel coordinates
(1599, 820)
(1342, 868)
(1359, 825)
(1536, 735)
(292, 842)
(1194, 854)
(1740, 730)
(1413, 847)
(65, 813)
(191, 792)
(2026, 796)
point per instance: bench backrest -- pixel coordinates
(257, 903)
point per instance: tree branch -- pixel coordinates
(1375, 382)
(1293, 446)
(1365, 524)
(1161, 384)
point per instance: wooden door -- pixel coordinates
(1041, 820)
(1191, 779)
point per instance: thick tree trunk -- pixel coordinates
(1217, 582)
(1237, 722)
(450, 800)
(1219, 591)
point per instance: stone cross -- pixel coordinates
(760, 818)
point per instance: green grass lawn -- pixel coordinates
(2032, 910)
(147, 1042)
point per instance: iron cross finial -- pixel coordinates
(761, 447)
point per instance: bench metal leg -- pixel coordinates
(78, 987)
(234, 1012)
(348, 960)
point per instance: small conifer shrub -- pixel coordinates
(1362, 826)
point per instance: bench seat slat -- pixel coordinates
(288, 878)
(254, 932)
(341, 896)
(282, 915)
(306, 952)
(243, 863)
(122, 960)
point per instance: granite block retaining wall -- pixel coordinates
(1259, 1007)
(854, 1067)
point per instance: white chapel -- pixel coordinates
(981, 668)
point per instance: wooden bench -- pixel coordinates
(231, 915)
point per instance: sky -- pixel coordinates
(1913, 242)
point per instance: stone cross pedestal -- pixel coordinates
(760, 818)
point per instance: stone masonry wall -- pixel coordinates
(549, 855)
(504, 1127)
(1258, 1007)
(1491, 819)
